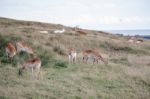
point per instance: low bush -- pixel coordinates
(47, 57)
(59, 50)
(60, 64)
(121, 61)
(117, 48)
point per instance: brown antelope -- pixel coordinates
(81, 32)
(93, 54)
(10, 50)
(72, 55)
(22, 47)
(33, 64)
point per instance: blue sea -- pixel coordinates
(144, 33)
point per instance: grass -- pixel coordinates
(126, 76)
(87, 81)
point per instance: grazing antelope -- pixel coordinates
(95, 55)
(34, 63)
(43, 32)
(60, 31)
(139, 41)
(81, 32)
(10, 50)
(22, 47)
(72, 55)
(131, 40)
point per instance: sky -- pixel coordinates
(90, 14)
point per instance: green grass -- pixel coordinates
(76, 81)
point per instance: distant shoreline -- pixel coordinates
(146, 37)
(141, 32)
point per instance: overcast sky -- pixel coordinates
(91, 14)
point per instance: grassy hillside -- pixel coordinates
(127, 75)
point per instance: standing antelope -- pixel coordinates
(22, 47)
(10, 50)
(34, 63)
(72, 55)
(93, 54)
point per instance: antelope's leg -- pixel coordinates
(94, 61)
(83, 59)
(75, 59)
(97, 61)
(32, 71)
(69, 58)
(7, 55)
(86, 59)
(39, 73)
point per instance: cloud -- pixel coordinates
(90, 21)
(135, 20)
(78, 20)
(110, 5)
(109, 20)
(112, 20)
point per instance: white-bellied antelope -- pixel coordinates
(43, 32)
(92, 54)
(10, 50)
(72, 54)
(59, 31)
(33, 64)
(23, 47)
(139, 41)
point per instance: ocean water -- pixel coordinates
(131, 32)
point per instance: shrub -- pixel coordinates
(28, 30)
(121, 61)
(3, 97)
(60, 64)
(47, 57)
(112, 47)
(59, 49)
(5, 39)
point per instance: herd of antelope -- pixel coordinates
(35, 63)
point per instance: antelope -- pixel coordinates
(81, 32)
(43, 32)
(10, 50)
(22, 47)
(131, 40)
(60, 31)
(34, 63)
(139, 41)
(95, 55)
(72, 55)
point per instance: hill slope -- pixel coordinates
(126, 75)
